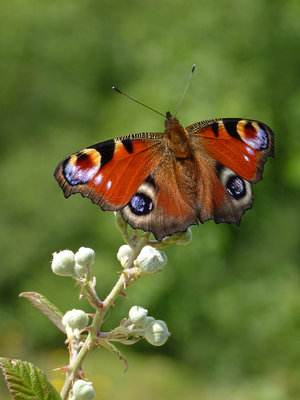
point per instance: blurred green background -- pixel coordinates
(231, 298)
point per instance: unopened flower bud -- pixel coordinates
(151, 260)
(123, 254)
(84, 261)
(63, 263)
(83, 390)
(75, 319)
(147, 322)
(138, 315)
(85, 257)
(157, 333)
(81, 270)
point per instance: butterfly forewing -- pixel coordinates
(239, 144)
(109, 172)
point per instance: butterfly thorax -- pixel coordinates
(177, 136)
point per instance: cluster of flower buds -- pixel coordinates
(154, 331)
(149, 260)
(78, 265)
(83, 390)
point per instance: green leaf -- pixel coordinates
(27, 382)
(46, 307)
(113, 349)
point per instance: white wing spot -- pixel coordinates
(250, 151)
(246, 158)
(108, 185)
(98, 179)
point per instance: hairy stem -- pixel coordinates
(119, 286)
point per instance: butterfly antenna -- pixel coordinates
(139, 102)
(187, 86)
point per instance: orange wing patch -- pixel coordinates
(119, 179)
(110, 172)
(230, 151)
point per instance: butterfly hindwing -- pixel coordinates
(159, 206)
(237, 196)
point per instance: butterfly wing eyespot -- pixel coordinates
(81, 168)
(236, 187)
(236, 198)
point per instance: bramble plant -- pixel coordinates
(139, 256)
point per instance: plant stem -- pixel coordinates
(119, 286)
(76, 363)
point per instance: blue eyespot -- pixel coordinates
(140, 204)
(236, 187)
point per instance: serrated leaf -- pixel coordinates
(27, 382)
(113, 349)
(46, 307)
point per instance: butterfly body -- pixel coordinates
(165, 182)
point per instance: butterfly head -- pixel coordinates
(170, 121)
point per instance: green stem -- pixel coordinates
(119, 286)
(92, 296)
(122, 225)
(77, 362)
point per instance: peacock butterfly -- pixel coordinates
(165, 182)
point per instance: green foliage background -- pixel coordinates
(231, 298)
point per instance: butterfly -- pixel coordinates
(165, 182)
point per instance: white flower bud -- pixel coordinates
(63, 263)
(151, 260)
(147, 322)
(157, 333)
(123, 254)
(85, 257)
(81, 270)
(138, 315)
(83, 390)
(75, 319)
